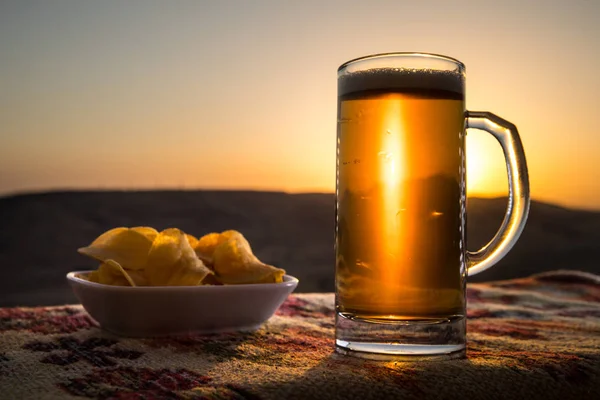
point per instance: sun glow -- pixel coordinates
(486, 169)
(392, 174)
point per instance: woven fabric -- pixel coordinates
(530, 338)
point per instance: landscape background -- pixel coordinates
(125, 113)
(41, 232)
(148, 94)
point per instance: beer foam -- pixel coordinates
(400, 78)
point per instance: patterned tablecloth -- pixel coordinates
(529, 338)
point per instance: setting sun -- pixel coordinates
(486, 169)
(130, 97)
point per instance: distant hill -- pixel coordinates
(39, 234)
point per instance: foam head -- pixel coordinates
(400, 78)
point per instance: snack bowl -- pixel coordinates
(146, 311)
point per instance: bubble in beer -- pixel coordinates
(385, 155)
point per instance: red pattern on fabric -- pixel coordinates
(522, 335)
(45, 320)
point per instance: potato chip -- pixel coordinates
(141, 256)
(147, 231)
(225, 235)
(128, 247)
(191, 240)
(138, 277)
(211, 280)
(111, 273)
(92, 276)
(234, 263)
(173, 262)
(206, 245)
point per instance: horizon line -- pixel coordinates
(66, 190)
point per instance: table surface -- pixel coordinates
(537, 337)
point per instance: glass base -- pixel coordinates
(410, 340)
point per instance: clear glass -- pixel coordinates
(401, 259)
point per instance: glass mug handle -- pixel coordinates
(518, 191)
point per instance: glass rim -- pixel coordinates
(403, 54)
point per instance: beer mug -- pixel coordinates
(401, 258)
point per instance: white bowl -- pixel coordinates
(171, 310)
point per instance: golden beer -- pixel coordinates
(401, 258)
(400, 212)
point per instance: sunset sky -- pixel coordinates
(242, 94)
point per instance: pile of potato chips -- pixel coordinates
(142, 256)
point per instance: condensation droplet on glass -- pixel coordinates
(362, 264)
(389, 132)
(387, 157)
(399, 215)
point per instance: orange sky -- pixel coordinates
(230, 94)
